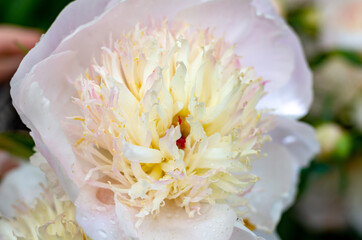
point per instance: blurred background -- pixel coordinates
(329, 200)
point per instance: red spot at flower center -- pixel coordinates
(181, 142)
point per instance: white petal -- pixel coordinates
(257, 39)
(6, 230)
(264, 42)
(98, 220)
(275, 189)
(295, 97)
(48, 135)
(240, 232)
(215, 223)
(267, 236)
(141, 154)
(292, 147)
(299, 138)
(120, 18)
(21, 184)
(75, 14)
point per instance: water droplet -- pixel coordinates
(102, 234)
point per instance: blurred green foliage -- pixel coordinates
(19, 143)
(31, 13)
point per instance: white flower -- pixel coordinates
(35, 214)
(338, 83)
(155, 115)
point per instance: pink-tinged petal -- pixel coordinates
(97, 218)
(84, 13)
(265, 42)
(120, 18)
(215, 222)
(43, 106)
(295, 97)
(299, 138)
(275, 189)
(258, 40)
(242, 232)
(74, 15)
(21, 184)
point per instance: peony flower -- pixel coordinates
(170, 119)
(36, 214)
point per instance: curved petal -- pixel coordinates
(215, 223)
(171, 223)
(119, 19)
(21, 184)
(292, 147)
(257, 39)
(37, 112)
(295, 97)
(275, 189)
(241, 232)
(265, 42)
(267, 236)
(75, 14)
(298, 137)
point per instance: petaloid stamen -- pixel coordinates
(170, 114)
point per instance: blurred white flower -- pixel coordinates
(337, 85)
(341, 23)
(156, 116)
(328, 135)
(35, 214)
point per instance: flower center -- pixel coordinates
(169, 114)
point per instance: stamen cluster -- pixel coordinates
(169, 114)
